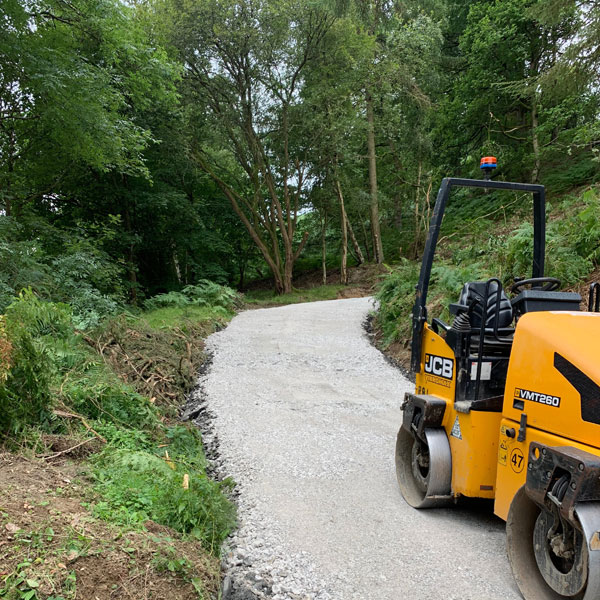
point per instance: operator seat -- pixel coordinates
(473, 292)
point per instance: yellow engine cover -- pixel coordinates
(552, 374)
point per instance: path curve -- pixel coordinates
(306, 412)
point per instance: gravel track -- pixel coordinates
(305, 413)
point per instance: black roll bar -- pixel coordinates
(419, 314)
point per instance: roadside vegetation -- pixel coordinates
(159, 158)
(93, 414)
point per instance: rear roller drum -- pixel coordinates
(424, 468)
(551, 559)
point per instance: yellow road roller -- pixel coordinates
(507, 407)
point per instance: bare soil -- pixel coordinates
(49, 537)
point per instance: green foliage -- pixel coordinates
(174, 316)
(64, 267)
(19, 586)
(205, 293)
(49, 357)
(314, 294)
(97, 394)
(572, 251)
(572, 244)
(138, 485)
(137, 480)
(396, 297)
(583, 230)
(25, 394)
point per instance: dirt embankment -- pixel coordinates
(50, 541)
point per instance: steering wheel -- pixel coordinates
(551, 284)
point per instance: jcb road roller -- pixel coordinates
(507, 407)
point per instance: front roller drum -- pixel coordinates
(424, 468)
(550, 559)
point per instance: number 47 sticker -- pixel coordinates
(517, 460)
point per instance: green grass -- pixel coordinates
(268, 297)
(175, 316)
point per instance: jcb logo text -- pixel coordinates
(440, 366)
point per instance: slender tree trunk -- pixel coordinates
(366, 237)
(344, 221)
(359, 255)
(417, 212)
(535, 140)
(324, 248)
(8, 208)
(288, 271)
(375, 228)
(176, 265)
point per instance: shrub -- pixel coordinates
(396, 297)
(97, 394)
(82, 274)
(25, 396)
(205, 293)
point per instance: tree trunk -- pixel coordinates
(375, 229)
(360, 259)
(344, 221)
(417, 213)
(8, 209)
(535, 141)
(366, 237)
(324, 248)
(176, 265)
(288, 271)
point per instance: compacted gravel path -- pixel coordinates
(304, 412)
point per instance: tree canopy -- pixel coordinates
(146, 146)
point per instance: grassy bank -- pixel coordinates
(266, 298)
(122, 505)
(308, 287)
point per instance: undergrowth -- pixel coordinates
(115, 390)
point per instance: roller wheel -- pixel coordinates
(550, 558)
(424, 468)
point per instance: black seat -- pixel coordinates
(473, 293)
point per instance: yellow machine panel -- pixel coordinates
(513, 458)
(437, 376)
(473, 440)
(473, 436)
(552, 373)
